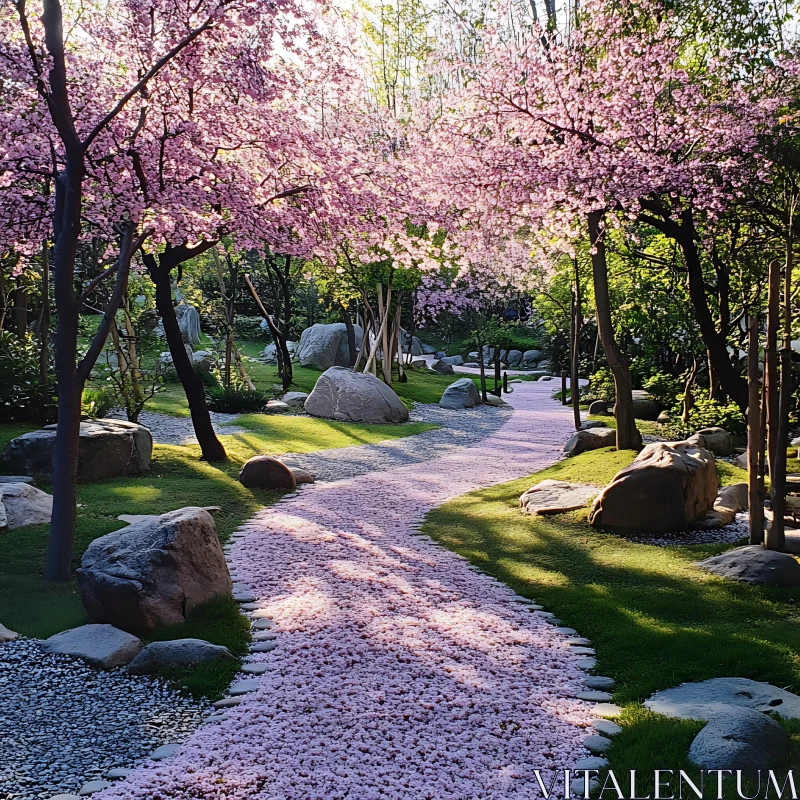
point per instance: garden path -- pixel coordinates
(399, 671)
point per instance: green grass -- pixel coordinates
(653, 617)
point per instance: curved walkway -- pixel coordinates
(399, 672)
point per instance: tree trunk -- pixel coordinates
(210, 445)
(771, 362)
(44, 319)
(628, 436)
(575, 393)
(754, 441)
(20, 312)
(351, 336)
(776, 538)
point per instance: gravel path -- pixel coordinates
(63, 723)
(179, 430)
(399, 671)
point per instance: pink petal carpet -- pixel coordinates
(398, 672)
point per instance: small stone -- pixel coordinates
(545, 614)
(244, 687)
(264, 636)
(578, 787)
(262, 613)
(566, 631)
(255, 669)
(217, 718)
(227, 702)
(583, 651)
(263, 647)
(118, 773)
(592, 762)
(586, 663)
(599, 682)
(92, 787)
(244, 597)
(594, 696)
(65, 797)
(262, 624)
(165, 751)
(606, 727)
(526, 601)
(100, 645)
(249, 606)
(596, 743)
(607, 710)
(578, 640)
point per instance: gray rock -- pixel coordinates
(598, 408)
(177, 653)
(102, 646)
(325, 346)
(594, 696)
(599, 682)
(7, 635)
(188, 322)
(494, 400)
(593, 439)
(419, 364)
(65, 797)
(664, 417)
(588, 424)
(107, 448)
(606, 727)
(269, 354)
(667, 487)
(295, 399)
(442, 367)
(428, 349)
(586, 663)
(263, 647)
(733, 497)
(592, 762)
(706, 699)
(755, 565)
(556, 497)
(740, 739)
(204, 362)
(154, 573)
(165, 751)
(513, 357)
(607, 710)
(17, 479)
(578, 787)
(255, 669)
(596, 744)
(93, 787)
(118, 773)
(718, 441)
(227, 702)
(244, 687)
(267, 472)
(345, 395)
(462, 393)
(531, 356)
(276, 406)
(440, 354)
(455, 361)
(22, 504)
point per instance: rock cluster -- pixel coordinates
(325, 346)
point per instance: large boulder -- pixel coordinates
(531, 356)
(592, 439)
(266, 472)
(349, 396)
(513, 357)
(668, 487)
(102, 646)
(107, 448)
(189, 322)
(755, 565)
(269, 354)
(324, 346)
(556, 497)
(22, 504)
(740, 738)
(717, 440)
(442, 367)
(462, 393)
(599, 408)
(179, 653)
(154, 572)
(454, 361)
(705, 699)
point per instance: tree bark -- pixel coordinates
(575, 359)
(755, 443)
(44, 319)
(351, 336)
(776, 537)
(160, 270)
(771, 362)
(628, 436)
(20, 311)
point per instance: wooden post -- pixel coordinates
(754, 441)
(771, 361)
(497, 384)
(564, 401)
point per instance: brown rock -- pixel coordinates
(668, 487)
(266, 472)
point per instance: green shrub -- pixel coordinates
(664, 388)
(22, 397)
(233, 400)
(96, 403)
(601, 385)
(708, 413)
(250, 328)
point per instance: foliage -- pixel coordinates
(236, 400)
(708, 413)
(664, 388)
(97, 402)
(22, 397)
(250, 328)
(601, 385)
